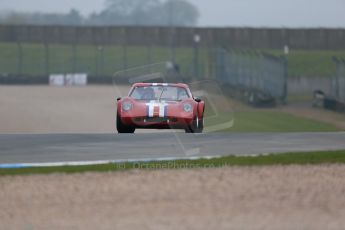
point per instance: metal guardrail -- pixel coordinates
(256, 74)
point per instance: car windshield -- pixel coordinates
(167, 93)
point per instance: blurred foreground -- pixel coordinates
(276, 197)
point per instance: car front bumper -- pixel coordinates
(158, 122)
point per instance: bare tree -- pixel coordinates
(179, 12)
(117, 12)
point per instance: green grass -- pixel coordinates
(269, 121)
(89, 59)
(326, 157)
(247, 119)
(311, 63)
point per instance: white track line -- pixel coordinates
(85, 163)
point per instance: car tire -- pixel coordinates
(201, 124)
(197, 125)
(122, 128)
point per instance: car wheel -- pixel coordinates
(188, 129)
(197, 125)
(122, 128)
(201, 124)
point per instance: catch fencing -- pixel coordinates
(253, 76)
(26, 63)
(255, 38)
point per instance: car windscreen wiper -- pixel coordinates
(161, 94)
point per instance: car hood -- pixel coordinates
(156, 108)
(158, 102)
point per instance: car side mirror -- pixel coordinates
(197, 99)
(119, 98)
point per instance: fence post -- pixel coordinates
(124, 49)
(337, 73)
(46, 53)
(74, 58)
(172, 32)
(196, 55)
(342, 81)
(96, 60)
(19, 58)
(101, 66)
(286, 76)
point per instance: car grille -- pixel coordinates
(156, 119)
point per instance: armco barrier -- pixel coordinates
(44, 80)
(23, 80)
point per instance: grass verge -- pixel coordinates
(303, 158)
(268, 121)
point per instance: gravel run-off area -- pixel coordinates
(274, 197)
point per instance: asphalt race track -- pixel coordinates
(96, 147)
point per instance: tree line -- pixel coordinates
(116, 12)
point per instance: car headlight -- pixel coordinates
(126, 106)
(187, 107)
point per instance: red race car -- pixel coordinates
(160, 106)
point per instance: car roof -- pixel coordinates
(161, 84)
